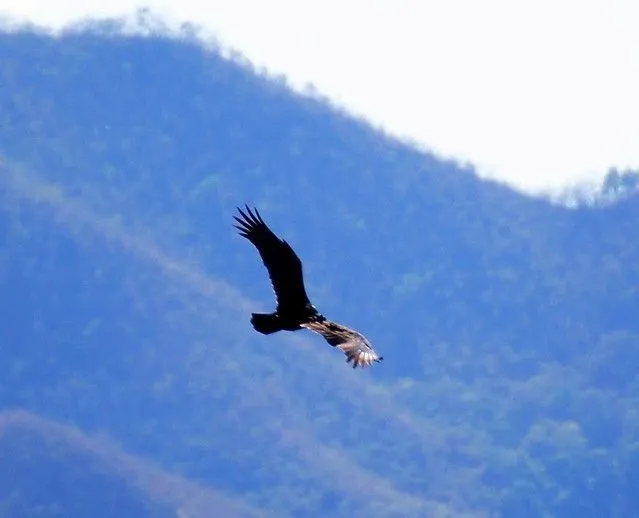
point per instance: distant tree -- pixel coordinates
(618, 184)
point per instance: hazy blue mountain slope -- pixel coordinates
(187, 135)
(508, 324)
(53, 470)
(170, 372)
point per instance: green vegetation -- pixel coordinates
(508, 324)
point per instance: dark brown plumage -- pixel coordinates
(294, 310)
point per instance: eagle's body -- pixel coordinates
(294, 310)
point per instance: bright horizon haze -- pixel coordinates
(538, 95)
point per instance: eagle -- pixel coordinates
(294, 310)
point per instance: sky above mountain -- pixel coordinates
(538, 95)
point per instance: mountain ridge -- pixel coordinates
(506, 322)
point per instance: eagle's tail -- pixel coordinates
(266, 323)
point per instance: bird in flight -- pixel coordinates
(294, 310)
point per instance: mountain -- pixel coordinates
(58, 471)
(508, 323)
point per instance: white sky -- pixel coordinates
(538, 93)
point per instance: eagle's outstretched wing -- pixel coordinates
(354, 345)
(283, 265)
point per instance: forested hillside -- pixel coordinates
(508, 324)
